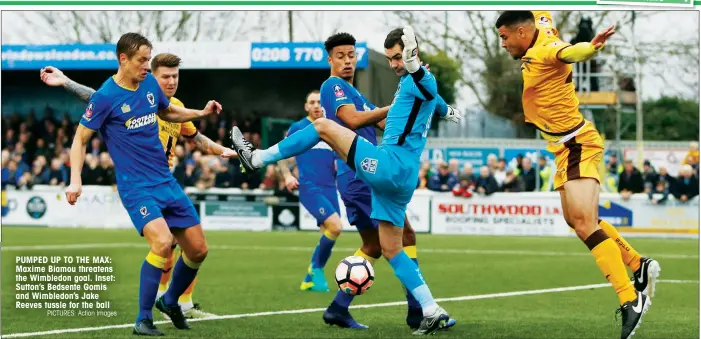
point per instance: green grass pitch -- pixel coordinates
(249, 273)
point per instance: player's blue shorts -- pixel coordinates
(166, 200)
(357, 197)
(392, 179)
(320, 201)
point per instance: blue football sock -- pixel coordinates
(325, 247)
(410, 275)
(151, 271)
(315, 255)
(184, 272)
(293, 145)
(411, 301)
(342, 300)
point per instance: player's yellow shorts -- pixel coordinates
(578, 157)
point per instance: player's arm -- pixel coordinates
(583, 51)
(77, 155)
(95, 115)
(354, 119)
(426, 86)
(208, 146)
(81, 91)
(53, 76)
(381, 125)
(175, 113)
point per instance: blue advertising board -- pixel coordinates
(73, 56)
(298, 55)
(476, 156)
(615, 214)
(195, 55)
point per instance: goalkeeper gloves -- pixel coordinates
(411, 50)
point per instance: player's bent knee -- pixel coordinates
(373, 250)
(198, 254)
(322, 126)
(162, 245)
(582, 225)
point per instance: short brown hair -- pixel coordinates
(165, 60)
(316, 91)
(130, 43)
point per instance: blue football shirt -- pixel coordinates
(128, 122)
(409, 118)
(336, 92)
(316, 166)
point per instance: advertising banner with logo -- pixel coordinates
(97, 206)
(669, 158)
(537, 214)
(497, 215)
(233, 209)
(639, 215)
(195, 55)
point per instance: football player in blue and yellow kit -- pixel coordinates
(125, 110)
(317, 193)
(391, 170)
(166, 68)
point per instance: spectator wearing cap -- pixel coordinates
(687, 186)
(630, 181)
(486, 184)
(512, 182)
(444, 180)
(649, 176)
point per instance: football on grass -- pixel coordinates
(354, 275)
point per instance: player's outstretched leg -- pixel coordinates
(337, 313)
(581, 200)
(414, 312)
(434, 317)
(646, 271)
(339, 138)
(160, 240)
(194, 251)
(295, 144)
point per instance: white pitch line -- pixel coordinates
(344, 249)
(314, 310)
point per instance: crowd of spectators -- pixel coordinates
(495, 176)
(657, 183)
(36, 152)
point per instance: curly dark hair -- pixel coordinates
(339, 39)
